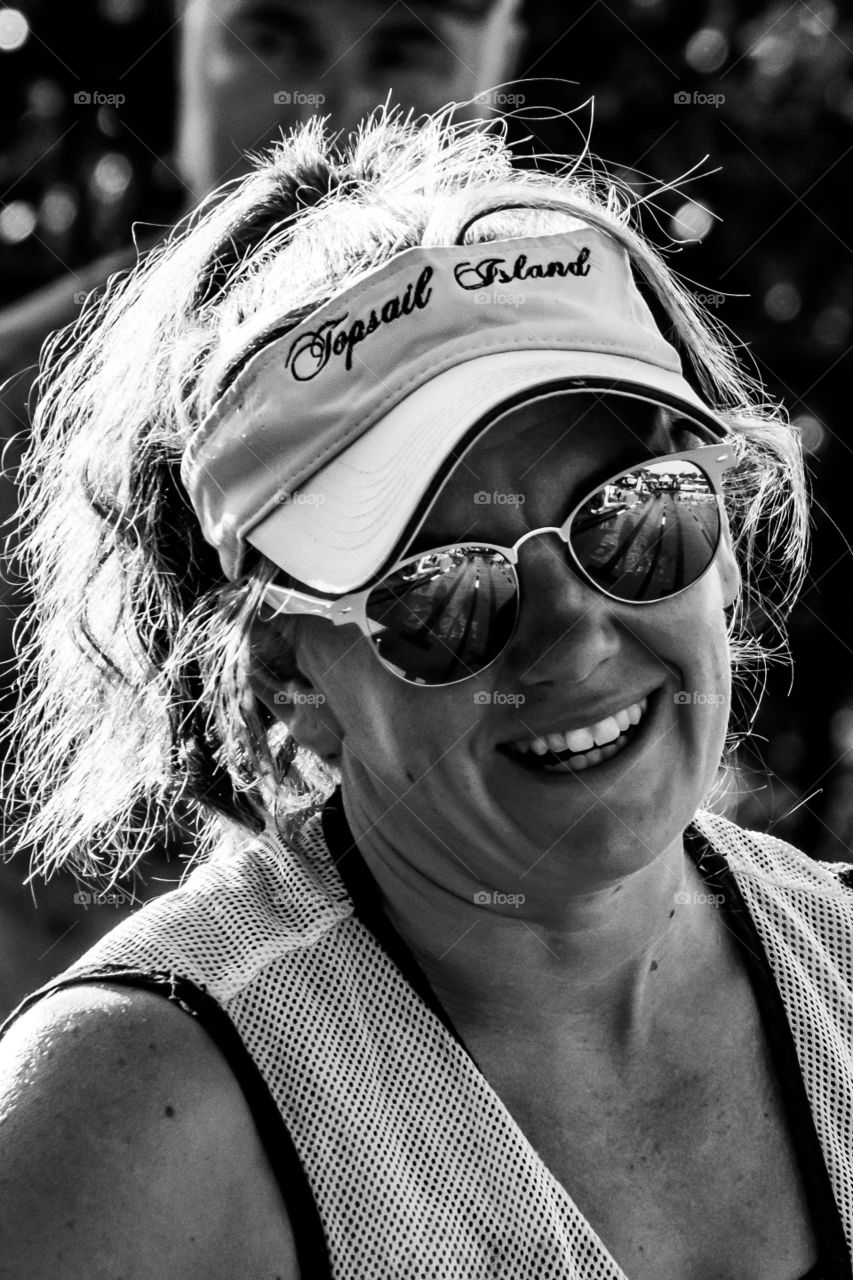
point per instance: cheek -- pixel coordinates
(703, 662)
(714, 640)
(401, 731)
(235, 102)
(369, 704)
(239, 108)
(688, 639)
(697, 633)
(467, 42)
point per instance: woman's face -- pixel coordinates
(446, 760)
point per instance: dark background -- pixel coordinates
(764, 91)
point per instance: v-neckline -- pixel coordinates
(366, 899)
(364, 893)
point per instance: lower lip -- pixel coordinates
(632, 737)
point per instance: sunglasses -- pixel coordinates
(440, 617)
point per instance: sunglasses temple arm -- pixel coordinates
(286, 600)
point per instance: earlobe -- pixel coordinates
(310, 720)
(296, 703)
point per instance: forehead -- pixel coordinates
(584, 425)
(375, 10)
(536, 460)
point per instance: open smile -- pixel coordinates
(548, 756)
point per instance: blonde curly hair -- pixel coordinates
(136, 651)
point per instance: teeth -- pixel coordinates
(580, 740)
(592, 736)
(605, 731)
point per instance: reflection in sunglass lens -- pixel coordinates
(444, 615)
(650, 533)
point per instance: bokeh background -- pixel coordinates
(758, 95)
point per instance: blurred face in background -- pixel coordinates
(251, 67)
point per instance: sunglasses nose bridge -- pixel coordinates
(553, 560)
(533, 533)
(550, 576)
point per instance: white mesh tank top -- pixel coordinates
(397, 1159)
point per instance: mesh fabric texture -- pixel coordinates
(418, 1170)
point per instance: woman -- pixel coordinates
(384, 475)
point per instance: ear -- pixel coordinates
(295, 701)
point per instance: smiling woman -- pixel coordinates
(375, 518)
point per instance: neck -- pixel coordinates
(607, 969)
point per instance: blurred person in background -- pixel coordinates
(249, 69)
(335, 58)
(246, 71)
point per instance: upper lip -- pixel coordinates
(578, 719)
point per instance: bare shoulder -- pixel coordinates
(127, 1148)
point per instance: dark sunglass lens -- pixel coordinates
(445, 615)
(649, 533)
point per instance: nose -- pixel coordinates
(351, 85)
(351, 98)
(566, 629)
